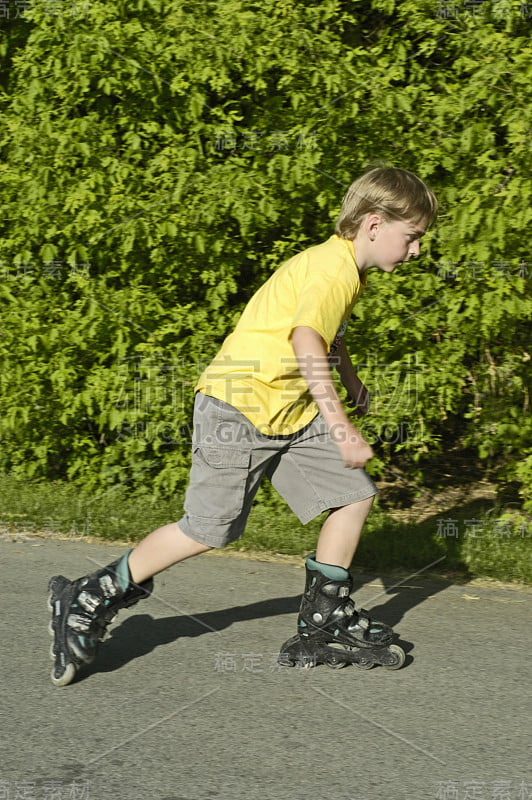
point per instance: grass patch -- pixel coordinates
(470, 541)
(61, 509)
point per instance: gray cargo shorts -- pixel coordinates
(230, 457)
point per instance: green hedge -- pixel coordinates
(160, 159)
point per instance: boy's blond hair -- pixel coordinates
(395, 193)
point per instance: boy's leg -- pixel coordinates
(340, 533)
(223, 482)
(82, 609)
(329, 583)
(330, 629)
(327, 613)
(311, 477)
(160, 549)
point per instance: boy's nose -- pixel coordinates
(414, 248)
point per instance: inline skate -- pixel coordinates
(82, 610)
(332, 632)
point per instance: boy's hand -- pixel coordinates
(355, 451)
(359, 399)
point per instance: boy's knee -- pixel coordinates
(357, 507)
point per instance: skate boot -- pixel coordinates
(82, 610)
(332, 632)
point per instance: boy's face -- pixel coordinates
(389, 244)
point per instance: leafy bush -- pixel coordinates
(161, 159)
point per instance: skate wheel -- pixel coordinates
(364, 663)
(285, 661)
(67, 677)
(399, 656)
(335, 661)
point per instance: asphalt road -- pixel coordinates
(186, 702)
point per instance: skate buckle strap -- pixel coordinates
(366, 623)
(349, 608)
(363, 619)
(79, 623)
(107, 586)
(89, 602)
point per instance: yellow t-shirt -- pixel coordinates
(256, 370)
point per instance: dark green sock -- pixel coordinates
(122, 571)
(327, 570)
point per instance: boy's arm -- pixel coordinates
(311, 353)
(358, 394)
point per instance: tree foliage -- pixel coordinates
(159, 160)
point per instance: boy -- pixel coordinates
(267, 405)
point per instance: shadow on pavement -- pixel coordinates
(397, 600)
(139, 635)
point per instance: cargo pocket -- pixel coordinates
(218, 479)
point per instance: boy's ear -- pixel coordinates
(371, 225)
